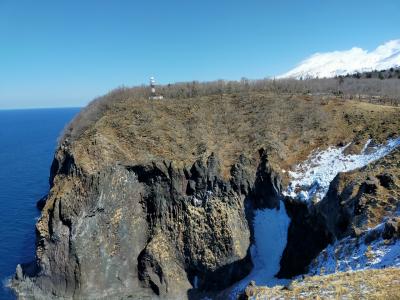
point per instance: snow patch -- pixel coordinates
(336, 63)
(270, 234)
(312, 178)
(357, 254)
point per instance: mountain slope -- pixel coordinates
(331, 64)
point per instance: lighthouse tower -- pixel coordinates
(153, 94)
(153, 87)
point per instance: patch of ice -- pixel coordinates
(356, 254)
(196, 282)
(312, 178)
(270, 234)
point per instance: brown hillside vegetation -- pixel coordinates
(125, 127)
(368, 284)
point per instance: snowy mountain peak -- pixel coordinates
(331, 64)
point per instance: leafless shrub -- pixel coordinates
(90, 114)
(366, 89)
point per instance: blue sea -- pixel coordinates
(27, 143)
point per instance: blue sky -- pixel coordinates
(65, 53)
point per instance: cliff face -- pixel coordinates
(146, 230)
(156, 199)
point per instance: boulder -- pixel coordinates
(387, 180)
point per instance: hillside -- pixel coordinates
(371, 284)
(184, 130)
(161, 198)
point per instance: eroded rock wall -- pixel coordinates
(150, 230)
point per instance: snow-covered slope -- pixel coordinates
(369, 251)
(331, 64)
(312, 178)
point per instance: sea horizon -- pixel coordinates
(39, 108)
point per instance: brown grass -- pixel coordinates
(183, 130)
(368, 284)
(375, 206)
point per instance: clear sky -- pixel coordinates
(65, 53)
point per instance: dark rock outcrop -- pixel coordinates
(352, 204)
(150, 230)
(387, 180)
(391, 229)
(307, 236)
(370, 185)
(341, 205)
(41, 203)
(267, 187)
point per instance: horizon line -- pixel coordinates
(39, 107)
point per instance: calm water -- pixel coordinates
(27, 143)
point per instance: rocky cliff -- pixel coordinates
(155, 199)
(146, 230)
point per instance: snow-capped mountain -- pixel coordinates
(331, 64)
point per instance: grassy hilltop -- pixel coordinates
(230, 118)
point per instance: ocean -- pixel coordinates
(28, 140)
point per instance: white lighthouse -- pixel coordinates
(153, 95)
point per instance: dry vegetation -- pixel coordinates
(367, 284)
(383, 201)
(228, 119)
(372, 90)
